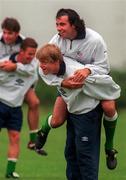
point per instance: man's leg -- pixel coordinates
(33, 116)
(87, 142)
(33, 119)
(109, 122)
(53, 121)
(72, 169)
(13, 153)
(59, 114)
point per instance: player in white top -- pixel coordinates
(13, 87)
(54, 69)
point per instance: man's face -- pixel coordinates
(9, 36)
(65, 29)
(49, 67)
(27, 55)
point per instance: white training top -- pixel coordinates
(13, 95)
(96, 87)
(14, 85)
(90, 51)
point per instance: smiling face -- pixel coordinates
(49, 67)
(9, 36)
(50, 58)
(65, 29)
(26, 56)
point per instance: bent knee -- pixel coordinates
(31, 99)
(57, 122)
(33, 103)
(109, 107)
(14, 137)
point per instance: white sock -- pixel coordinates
(111, 118)
(33, 131)
(49, 120)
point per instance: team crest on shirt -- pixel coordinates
(79, 54)
(62, 92)
(19, 82)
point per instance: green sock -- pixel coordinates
(10, 166)
(45, 125)
(109, 133)
(33, 136)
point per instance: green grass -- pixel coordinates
(31, 166)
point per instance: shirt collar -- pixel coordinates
(13, 58)
(18, 40)
(80, 35)
(62, 69)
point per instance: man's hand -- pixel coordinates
(71, 84)
(81, 74)
(77, 80)
(8, 66)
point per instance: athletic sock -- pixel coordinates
(110, 125)
(33, 134)
(11, 165)
(46, 125)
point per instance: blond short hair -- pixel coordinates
(49, 53)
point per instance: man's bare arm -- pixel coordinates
(8, 66)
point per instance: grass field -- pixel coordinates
(52, 167)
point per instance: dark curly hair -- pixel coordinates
(74, 19)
